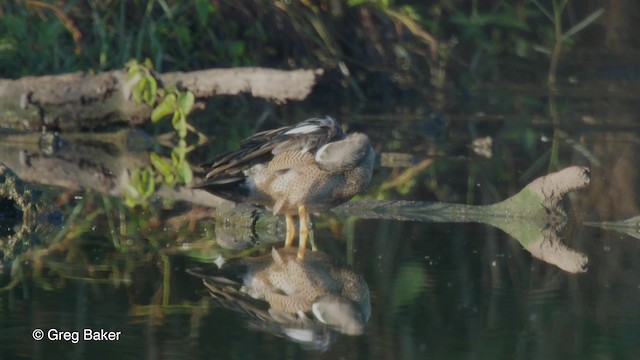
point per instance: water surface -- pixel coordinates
(438, 290)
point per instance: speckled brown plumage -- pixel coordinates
(333, 293)
(294, 170)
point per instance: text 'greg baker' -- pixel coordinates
(102, 335)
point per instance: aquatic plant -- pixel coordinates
(167, 102)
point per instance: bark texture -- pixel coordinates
(86, 101)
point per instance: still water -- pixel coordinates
(102, 283)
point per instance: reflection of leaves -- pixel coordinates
(408, 285)
(140, 188)
(163, 167)
(179, 123)
(185, 173)
(176, 103)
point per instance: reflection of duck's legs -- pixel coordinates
(291, 230)
(304, 230)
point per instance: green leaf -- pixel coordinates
(132, 68)
(175, 119)
(170, 180)
(160, 164)
(182, 128)
(179, 122)
(132, 71)
(181, 149)
(131, 197)
(135, 177)
(150, 90)
(149, 183)
(166, 107)
(186, 175)
(148, 63)
(185, 102)
(175, 157)
(138, 90)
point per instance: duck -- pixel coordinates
(296, 170)
(310, 295)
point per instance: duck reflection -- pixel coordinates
(305, 301)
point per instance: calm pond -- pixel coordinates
(103, 282)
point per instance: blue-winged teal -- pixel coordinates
(294, 170)
(299, 294)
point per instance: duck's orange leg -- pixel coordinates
(291, 230)
(304, 231)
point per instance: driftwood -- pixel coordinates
(534, 216)
(85, 100)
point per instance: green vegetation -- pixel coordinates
(371, 49)
(367, 44)
(166, 102)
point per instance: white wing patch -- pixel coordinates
(305, 129)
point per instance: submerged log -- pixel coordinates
(84, 100)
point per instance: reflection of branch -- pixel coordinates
(100, 162)
(103, 164)
(630, 226)
(531, 216)
(406, 175)
(549, 249)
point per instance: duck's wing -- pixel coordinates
(308, 136)
(262, 147)
(297, 147)
(254, 149)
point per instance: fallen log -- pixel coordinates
(86, 101)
